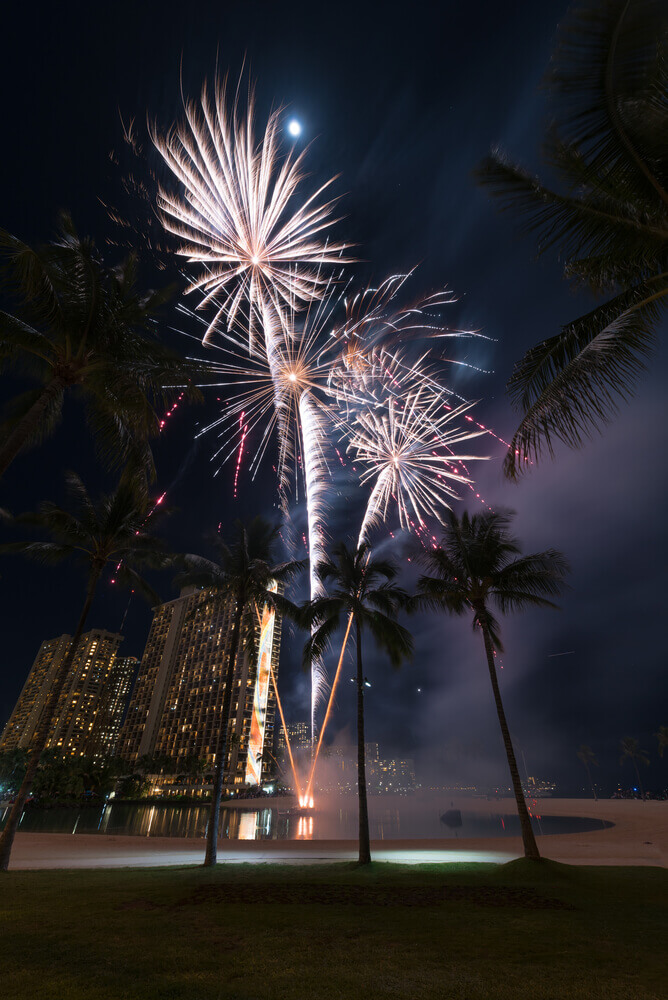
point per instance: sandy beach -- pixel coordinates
(639, 837)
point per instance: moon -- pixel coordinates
(294, 128)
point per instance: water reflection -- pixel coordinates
(411, 818)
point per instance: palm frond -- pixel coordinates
(21, 406)
(45, 552)
(608, 73)
(130, 578)
(389, 636)
(319, 641)
(569, 386)
(578, 226)
(531, 580)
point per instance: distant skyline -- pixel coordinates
(403, 109)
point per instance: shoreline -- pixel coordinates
(639, 836)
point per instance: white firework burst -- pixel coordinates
(239, 214)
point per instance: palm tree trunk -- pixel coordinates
(211, 855)
(364, 843)
(29, 424)
(530, 845)
(41, 736)
(642, 793)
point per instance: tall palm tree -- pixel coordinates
(245, 576)
(95, 534)
(83, 327)
(608, 219)
(630, 748)
(662, 739)
(588, 758)
(361, 586)
(478, 563)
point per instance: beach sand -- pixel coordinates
(639, 837)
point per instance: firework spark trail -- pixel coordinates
(313, 377)
(234, 221)
(236, 217)
(330, 703)
(407, 451)
(244, 430)
(285, 732)
(400, 447)
(315, 472)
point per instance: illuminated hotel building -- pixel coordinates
(177, 700)
(90, 708)
(299, 734)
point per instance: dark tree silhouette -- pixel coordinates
(608, 219)
(245, 576)
(83, 328)
(362, 587)
(95, 534)
(478, 563)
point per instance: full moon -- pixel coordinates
(294, 128)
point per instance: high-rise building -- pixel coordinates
(177, 700)
(90, 708)
(118, 693)
(299, 735)
(338, 771)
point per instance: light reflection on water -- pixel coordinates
(338, 820)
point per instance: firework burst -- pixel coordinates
(408, 450)
(239, 215)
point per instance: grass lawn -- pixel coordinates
(327, 932)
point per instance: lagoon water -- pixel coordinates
(390, 818)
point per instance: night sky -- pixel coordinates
(402, 101)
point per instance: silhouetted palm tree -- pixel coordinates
(588, 758)
(246, 578)
(608, 219)
(82, 327)
(95, 534)
(475, 566)
(662, 739)
(362, 587)
(630, 748)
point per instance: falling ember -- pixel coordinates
(244, 431)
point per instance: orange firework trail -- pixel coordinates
(287, 737)
(332, 692)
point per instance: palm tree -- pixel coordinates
(82, 328)
(95, 534)
(246, 578)
(631, 751)
(608, 220)
(475, 565)
(588, 758)
(362, 587)
(662, 738)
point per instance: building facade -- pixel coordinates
(299, 734)
(338, 771)
(90, 708)
(177, 700)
